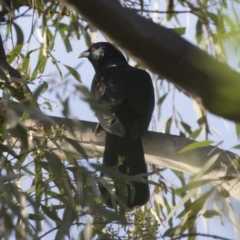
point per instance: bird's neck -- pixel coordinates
(114, 64)
(108, 62)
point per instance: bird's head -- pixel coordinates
(102, 55)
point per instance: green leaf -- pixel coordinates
(45, 43)
(3, 75)
(192, 185)
(57, 167)
(224, 3)
(170, 7)
(45, 165)
(38, 182)
(75, 25)
(211, 214)
(77, 146)
(237, 129)
(86, 36)
(195, 134)
(4, 148)
(74, 73)
(15, 52)
(70, 158)
(41, 65)
(42, 60)
(51, 214)
(161, 99)
(213, 17)
(186, 127)
(68, 218)
(26, 65)
(46, 13)
(39, 5)
(58, 197)
(35, 217)
(65, 40)
(61, 177)
(180, 30)
(63, 27)
(168, 125)
(205, 167)
(48, 105)
(197, 205)
(202, 121)
(8, 167)
(41, 89)
(21, 132)
(224, 193)
(237, 147)
(196, 145)
(229, 22)
(49, 35)
(19, 33)
(199, 31)
(55, 62)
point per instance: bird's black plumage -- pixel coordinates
(128, 94)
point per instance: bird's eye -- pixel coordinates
(93, 48)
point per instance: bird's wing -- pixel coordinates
(110, 89)
(141, 99)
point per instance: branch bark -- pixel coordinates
(167, 54)
(160, 149)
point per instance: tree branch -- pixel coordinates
(213, 83)
(160, 149)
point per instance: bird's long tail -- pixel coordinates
(128, 157)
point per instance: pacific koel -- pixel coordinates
(128, 95)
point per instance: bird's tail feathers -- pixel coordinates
(127, 157)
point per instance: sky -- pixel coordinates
(222, 130)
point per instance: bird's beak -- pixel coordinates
(84, 54)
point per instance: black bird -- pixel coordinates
(128, 95)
